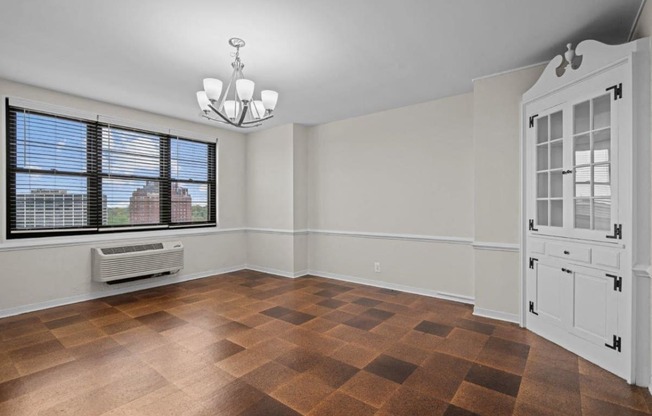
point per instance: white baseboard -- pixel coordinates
(276, 272)
(155, 282)
(501, 316)
(395, 286)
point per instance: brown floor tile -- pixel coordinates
(504, 355)
(268, 406)
(483, 401)
(439, 376)
(493, 379)
(333, 372)
(248, 343)
(268, 377)
(355, 355)
(331, 303)
(391, 368)
(367, 302)
(302, 393)
(408, 402)
(433, 328)
(340, 404)
(370, 388)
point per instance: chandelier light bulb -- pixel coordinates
(269, 98)
(231, 108)
(259, 109)
(213, 88)
(245, 88)
(203, 101)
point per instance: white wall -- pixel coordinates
(51, 273)
(276, 186)
(496, 161)
(402, 173)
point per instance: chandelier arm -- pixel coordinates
(260, 120)
(206, 116)
(225, 118)
(245, 107)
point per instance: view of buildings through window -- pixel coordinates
(59, 181)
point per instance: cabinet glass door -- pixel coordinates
(592, 158)
(549, 166)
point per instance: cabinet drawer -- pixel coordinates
(568, 252)
(538, 247)
(606, 258)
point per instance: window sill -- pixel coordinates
(110, 238)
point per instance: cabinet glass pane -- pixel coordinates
(602, 214)
(556, 184)
(583, 213)
(542, 185)
(581, 117)
(542, 212)
(582, 150)
(557, 213)
(601, 146)
(556, 154)
(602, 181)
(542, 157)
(601, 112)
(542, 129)
(583, 181)
(556, 126)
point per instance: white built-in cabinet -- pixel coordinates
(586, 205)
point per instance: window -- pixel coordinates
(68, 176)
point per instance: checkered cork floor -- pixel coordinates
(248, 343)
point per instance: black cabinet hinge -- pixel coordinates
(617, 344)
(618, 282)
(618, 232)
(532, 117)
(532, 260)
(532, 308)
(531, 226)
(617, 89)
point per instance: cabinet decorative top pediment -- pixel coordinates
(575, 64)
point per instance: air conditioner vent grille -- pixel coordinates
(120, 263)
(132, 249)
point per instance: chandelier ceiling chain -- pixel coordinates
(236, 107)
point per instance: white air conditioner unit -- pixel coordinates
(125, 262)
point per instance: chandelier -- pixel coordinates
(236, 106)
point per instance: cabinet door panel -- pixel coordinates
(594, 307)
(549, 296)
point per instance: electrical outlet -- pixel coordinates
(377, 267)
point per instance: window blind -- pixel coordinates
(69, 176)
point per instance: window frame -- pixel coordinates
(94, 174)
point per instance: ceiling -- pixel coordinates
(328, 60)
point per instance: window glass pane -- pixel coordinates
(542, 129)
(557, 213)
(581, 117)
(542, 157)
(130, 153)
(582, 150)
(189, 160)
(601, 181)
(556, 126)
(46, 142)
(601, 146)
(556, 184)
(131, 202)
(602, 214)
(583, 213)
(189, 202)
(542, 185)
(556, 155)
(50, 201)
(542, 212)
(601, 112)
